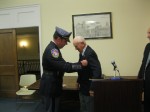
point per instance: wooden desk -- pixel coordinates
(35, 86)
(69, 82)
(117, 95)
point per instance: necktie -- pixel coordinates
(80, 57)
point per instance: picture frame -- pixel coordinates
(92, 26)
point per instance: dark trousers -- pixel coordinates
(86, 103)
(147, 95)
(52, 104)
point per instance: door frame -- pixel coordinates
(22, 16)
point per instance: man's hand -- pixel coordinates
(84, 62)
(91, 93)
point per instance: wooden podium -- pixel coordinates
(122, 95)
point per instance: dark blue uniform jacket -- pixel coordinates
(54, 67)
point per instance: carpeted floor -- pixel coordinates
(10, 105)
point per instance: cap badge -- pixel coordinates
(55, 53)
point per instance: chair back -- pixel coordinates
(27, 79)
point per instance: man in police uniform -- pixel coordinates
(54, 67)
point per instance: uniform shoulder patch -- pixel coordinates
(55, 53)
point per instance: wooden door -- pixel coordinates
(8, 63)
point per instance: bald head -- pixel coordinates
(79, 43)
(78, 39)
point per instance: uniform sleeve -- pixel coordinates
(59, 63)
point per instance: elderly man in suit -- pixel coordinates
(91, 71)
(144, 73)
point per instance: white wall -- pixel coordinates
(130, 20)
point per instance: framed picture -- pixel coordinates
(92, 26)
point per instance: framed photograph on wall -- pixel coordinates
(92, 26)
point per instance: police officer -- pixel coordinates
(54, 67)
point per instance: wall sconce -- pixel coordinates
(23, 43)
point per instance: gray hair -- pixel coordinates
(79, 39)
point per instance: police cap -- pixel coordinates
(62, 33)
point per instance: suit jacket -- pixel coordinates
(91, 71)
(145, 71)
